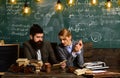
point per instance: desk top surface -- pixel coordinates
(60, 74)
(55, 74)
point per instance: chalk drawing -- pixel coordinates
(96, 36)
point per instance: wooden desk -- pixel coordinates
(42, 75)
(104, 75)
(59, 74)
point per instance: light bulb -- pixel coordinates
(13, 1)
(26, 10)
(108, 4)
(59, 6)
(39, 1)
(94, 2)
(71, 2)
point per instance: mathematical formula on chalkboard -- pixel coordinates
(90, 23)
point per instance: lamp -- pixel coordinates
(39, 1)
(12, 1)
(71, 2)
(94, 2)
(26, 8)
(108, 4)
(58, 6)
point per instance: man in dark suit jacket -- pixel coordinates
(38, 49)
(70, 50)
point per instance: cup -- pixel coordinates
(48, 67)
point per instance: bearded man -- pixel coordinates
(37, 48)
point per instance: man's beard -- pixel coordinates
(36, 45)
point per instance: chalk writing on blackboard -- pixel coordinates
(90, 23)
(18, 29)
(96, 36)
(94, 23)
(15, 9)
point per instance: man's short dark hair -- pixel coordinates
(35, 29)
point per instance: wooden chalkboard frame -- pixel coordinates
(8, 55)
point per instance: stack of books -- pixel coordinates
(97, 65)
(92, 67)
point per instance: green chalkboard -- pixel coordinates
(90, 23)
(94, 23)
